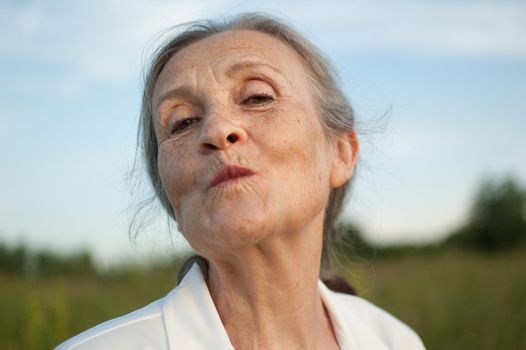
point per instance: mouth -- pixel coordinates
(230, 173)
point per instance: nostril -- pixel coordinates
(232, 138)
(210, 146)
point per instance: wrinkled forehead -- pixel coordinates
(218, 53)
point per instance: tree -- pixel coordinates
(497, 219)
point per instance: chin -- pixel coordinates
(243, 229)
(232, 231)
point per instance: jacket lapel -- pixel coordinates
(190, 318)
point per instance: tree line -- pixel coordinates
(496, 222)
(20, 260)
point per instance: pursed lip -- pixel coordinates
(228, 173)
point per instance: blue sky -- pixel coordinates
(452, 75)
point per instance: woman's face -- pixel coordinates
(242, 153)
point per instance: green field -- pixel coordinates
(453, 299)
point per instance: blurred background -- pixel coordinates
(436, 220)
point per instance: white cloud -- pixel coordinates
(89, 40)
(445, 27)
(103, 40)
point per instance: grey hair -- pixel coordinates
(334, 109)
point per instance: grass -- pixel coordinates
(453, 299)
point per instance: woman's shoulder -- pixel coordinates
(374, 322)
(139, 329)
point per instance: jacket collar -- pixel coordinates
(190, 317)
(191, 320)
(351, 332)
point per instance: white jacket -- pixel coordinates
(186, 318)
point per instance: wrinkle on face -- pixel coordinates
(286, 146)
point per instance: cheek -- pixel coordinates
(297, 137)
(176, 174)
(298, 150)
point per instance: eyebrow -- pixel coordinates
(239, 66)
(187, 92)
(180, 91)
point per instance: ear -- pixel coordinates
(346, 154)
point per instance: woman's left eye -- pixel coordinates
(257, 100)
(183, 125)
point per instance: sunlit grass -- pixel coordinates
(453, 299)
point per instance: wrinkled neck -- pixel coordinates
(267, 296)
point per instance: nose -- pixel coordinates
(221, 133)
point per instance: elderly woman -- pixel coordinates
(250, 146)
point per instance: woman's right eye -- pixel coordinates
(257, 99)
(183, 125)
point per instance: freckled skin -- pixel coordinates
(282, 141)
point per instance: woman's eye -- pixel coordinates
(184, 124)
(257, 100)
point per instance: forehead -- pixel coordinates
(219, 52)
(240, 42)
